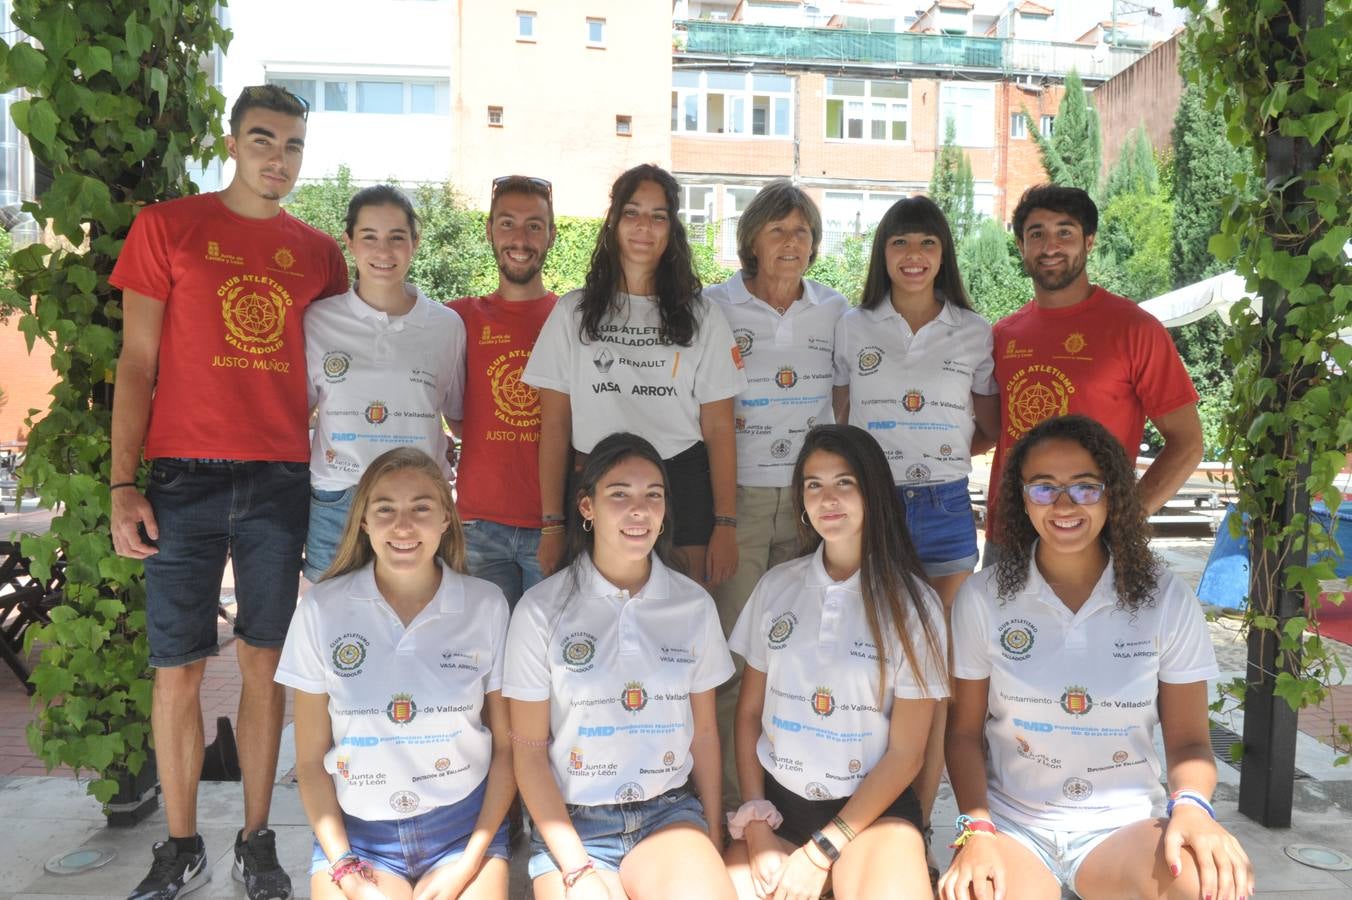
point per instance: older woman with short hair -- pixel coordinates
(785, 326)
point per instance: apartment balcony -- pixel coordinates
(808, 47)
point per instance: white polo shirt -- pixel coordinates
(406, 704)
(380, 382)
(629, 380)
(822, 730)
(618, 672)
(913, 392)
(789, 373)
(1073, 697)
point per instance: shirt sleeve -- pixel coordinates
(337, 271)
(713, 664)
(1186, 651)
(720, 373)
(931, 665)
(314, 362)
(983, 374)
(302, 661)
(549, 364)
(453, 402)
(971, 648)
(745, 639)
(1162, 382)
(840, 361)
(501, 617)
(526, 671)
(144, 265)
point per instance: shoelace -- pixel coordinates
(165, 867)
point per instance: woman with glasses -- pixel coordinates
(1066, 656)
(639, 348)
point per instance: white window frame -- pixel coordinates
(598, 21)
(624, 126)
(739, 107)
(1018, 126)
(319, 99)
(835, 231)
(525, 25)
(869, 111)
(1046, 126)
(697, 219)
(731, 216)
(976, 127)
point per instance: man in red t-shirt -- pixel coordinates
(497, 481)
(211, 385)
(1076, 348)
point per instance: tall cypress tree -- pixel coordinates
(952, 186)
(1135, 171)
(1073, 153)
(1204, 164)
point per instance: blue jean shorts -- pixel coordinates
(251, 512)
(412, 847)
(611, 830)
(328, 516)
(502, 554)
(939, 517)
(1062, 852)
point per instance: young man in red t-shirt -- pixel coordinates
(1076, 348)
(497, 482)
(211, 385)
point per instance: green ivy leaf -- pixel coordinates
(92, 59)
(24, 66)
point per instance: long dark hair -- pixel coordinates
(1125, 533)
(910, 215)
(890, 572)
(678, 287)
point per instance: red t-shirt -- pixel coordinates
(1104, 357)
(499, 476)
(231, 381)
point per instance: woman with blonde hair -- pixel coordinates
(396, 656)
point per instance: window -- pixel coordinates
(495, 116)
(850, 213)
(1047, 125)
(971, 108)
(735, 202)
(731, 103)
(624, 125)
(596, 32)
(525, 25)
(1018, 125)
(697, 209)
(344, 94)
(859, 110)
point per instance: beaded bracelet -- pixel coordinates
(1186, 796)
(528, 742)
(968, 826)
(728, 521)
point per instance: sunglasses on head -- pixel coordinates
(522, 181)
(1043, 493)
(276, 92)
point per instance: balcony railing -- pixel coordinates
(1010, 56)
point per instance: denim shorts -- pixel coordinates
(328, 516)
(252, 512)
(502, 554)
(412, 847)
(1062, 852)
(939, 517)
(611, 830)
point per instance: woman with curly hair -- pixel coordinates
(638, 346)
(1066, 656)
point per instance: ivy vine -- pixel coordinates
(1283, 88)
(118, 104)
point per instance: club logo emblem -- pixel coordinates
(1016, 639)
(579, 651)
(817, 791)
(348, 656)
(1077, 789)
(629, 792)
(284, 258)
(1074, 343)
(404, 802)
(917, 472)
(781, 629)
(745, 340)
(870, 358)
(780, 448)
(336, 364)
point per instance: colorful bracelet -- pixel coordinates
(528, 742)
(350, 863)
(728, 521)
(553, 529)
(576, 875)
(1186, 796)
(968, 826)
(844, 827)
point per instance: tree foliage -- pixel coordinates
(952, 185)
(118, 106)
(845, 270)
(993, 271)
(1135, 171)
(1072, 155)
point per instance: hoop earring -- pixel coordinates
(661, 529)
(587, 525)
(803, 517)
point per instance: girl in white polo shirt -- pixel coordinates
(1067, 655)
(844, 654)
(639, 348)
(611, 669)
(385, 364)
(401, 730)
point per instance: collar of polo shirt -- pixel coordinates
(362, 310)
(738, 292)
(449, 598)
(822, 578)
(592, 583)
(1103, 595)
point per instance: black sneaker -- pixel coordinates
(173, 873)
(257, 868)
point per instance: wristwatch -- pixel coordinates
(824, 844)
